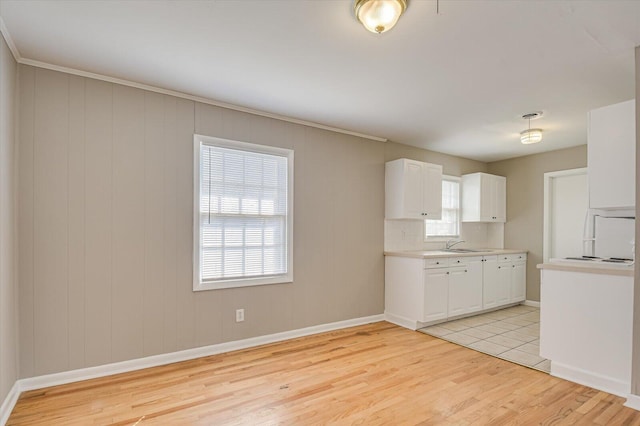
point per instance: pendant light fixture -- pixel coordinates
(530, 135)
(379, 16)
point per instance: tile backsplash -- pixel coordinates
(409, 235)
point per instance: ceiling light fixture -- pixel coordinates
(379, 16)
(530, 135)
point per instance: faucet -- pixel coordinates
(453, 242)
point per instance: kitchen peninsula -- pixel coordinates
(586, 316)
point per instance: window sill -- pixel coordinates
(441, 239)
(245, 282)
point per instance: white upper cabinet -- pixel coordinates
(413, 190)
(611, 156)
(484, 198)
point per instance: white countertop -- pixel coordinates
(426, 254)
(589, 268)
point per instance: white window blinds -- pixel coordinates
(449, 225)
(243, 213)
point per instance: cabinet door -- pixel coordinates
(436, 294)
(500, 199)
(493, 198)
(432, 191)
(413, 190)
(490, 282)
(458, 289)
(518, 281)
(487, 198)
(503, 287)
(611, 156)
(474, 291)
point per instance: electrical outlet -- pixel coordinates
(239, 315)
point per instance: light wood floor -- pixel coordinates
(374, 374)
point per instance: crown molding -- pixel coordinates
(7, 37)
(73, 71)
(26, 61)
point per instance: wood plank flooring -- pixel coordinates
(377, 374)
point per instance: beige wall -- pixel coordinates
(8, 279)
(105, 223)
(525, 193)
(105, 227)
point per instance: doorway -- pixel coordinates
(566, 201)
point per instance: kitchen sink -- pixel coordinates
(463, 250)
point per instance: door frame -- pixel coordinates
(546, 201)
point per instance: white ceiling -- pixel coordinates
(455, 82)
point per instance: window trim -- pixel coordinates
(287, 277)
(441, 238)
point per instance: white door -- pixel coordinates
(566, 204)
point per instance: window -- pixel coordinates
(243, 197)
(449, 225)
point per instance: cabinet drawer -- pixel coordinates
(458, 261)
(507, 258)
(439, 262)
(522, 257)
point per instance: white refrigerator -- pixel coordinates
(612, 237)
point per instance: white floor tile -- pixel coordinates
(511, 334)
(488, 347)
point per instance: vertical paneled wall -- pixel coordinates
(105, 226)
(8, 278)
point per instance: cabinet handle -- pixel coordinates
(465, 270)
(437, 263)
(458, 261)
(447, 272)
(499, 267)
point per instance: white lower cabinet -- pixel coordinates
(436, 294)
(519, 281)
(427, 290)
(465, 286)
(490, 283)
(503, 283)
(512, 277)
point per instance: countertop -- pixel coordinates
(428, 254)
(589, 268)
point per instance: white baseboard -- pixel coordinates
(531, 303)
(401, 321)
(587, 378)
(71, 376)
(9, 402)
(633, 401)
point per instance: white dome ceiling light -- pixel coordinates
(379, 16)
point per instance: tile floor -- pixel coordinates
(512, 334)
